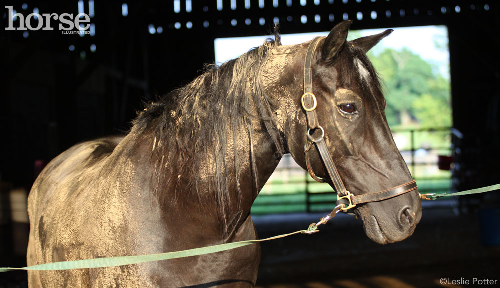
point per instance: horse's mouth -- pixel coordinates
(376, 233)
(383, 233)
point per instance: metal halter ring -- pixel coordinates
(315, 103)
(348, 197)
(317, 139)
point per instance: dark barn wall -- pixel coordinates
(475, 74)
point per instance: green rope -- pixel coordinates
(127, 260)
(433, 196)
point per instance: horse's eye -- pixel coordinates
(348, 108)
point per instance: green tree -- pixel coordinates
(433, 109)
(413, 90)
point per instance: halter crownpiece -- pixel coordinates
(344, 197)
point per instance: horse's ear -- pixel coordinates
(335, 41)
(367, 43)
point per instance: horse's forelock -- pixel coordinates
(355, 65)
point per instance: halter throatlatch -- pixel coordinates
(344, 197)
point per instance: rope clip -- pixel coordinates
(313, 228)
(429, 196)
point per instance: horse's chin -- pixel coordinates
(373, 230)
(378, 231)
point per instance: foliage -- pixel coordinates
(415, 92)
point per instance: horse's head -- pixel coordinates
(350, 109)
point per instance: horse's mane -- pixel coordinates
(192, 125)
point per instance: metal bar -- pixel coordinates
(308, 193)
(412, 137)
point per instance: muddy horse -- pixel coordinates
(193, 162)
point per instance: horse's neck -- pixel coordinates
(260, 162)
(250, 157)
(247, 174)
(213, 159)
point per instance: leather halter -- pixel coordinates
(309, 104)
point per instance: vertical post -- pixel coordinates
(6, 226)
(412, 139)
(308, 194)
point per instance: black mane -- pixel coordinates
(192, 124)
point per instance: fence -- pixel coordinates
(291, 189)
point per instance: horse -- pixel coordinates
(193, 162)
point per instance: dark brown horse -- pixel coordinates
(189, 170)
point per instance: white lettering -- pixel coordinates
(37, 16)
(11, 19)
(485, 281)
(86, 19)
(47, 20)
(67, 21)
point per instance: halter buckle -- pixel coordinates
(306, 102)
(348, 197)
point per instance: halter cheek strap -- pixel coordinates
(309, 104)
(308, 100)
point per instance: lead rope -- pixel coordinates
(128, 260)
(434, 196)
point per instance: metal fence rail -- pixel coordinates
(291, 189)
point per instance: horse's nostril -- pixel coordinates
(406, 218)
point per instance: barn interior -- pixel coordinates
(59, 89)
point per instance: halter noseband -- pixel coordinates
(309, 104)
